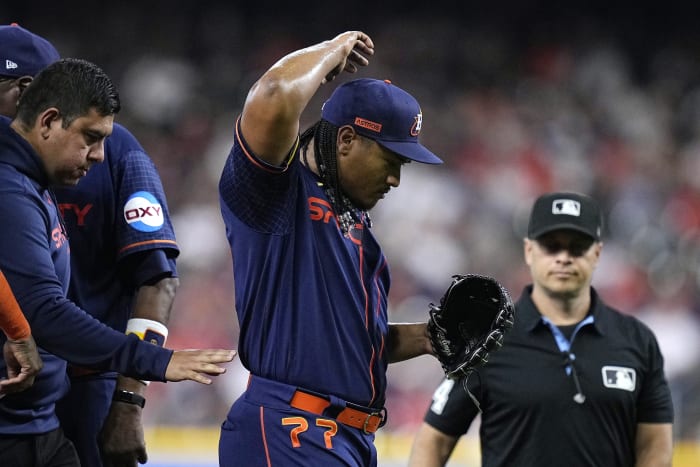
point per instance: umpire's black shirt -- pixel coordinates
(527, 390)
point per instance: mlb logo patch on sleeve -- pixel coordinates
(619, 377)
(143, 212)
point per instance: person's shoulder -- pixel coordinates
(121, 142)
(625, 322)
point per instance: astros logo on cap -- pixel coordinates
(417, 124)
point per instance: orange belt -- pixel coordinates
(367, 422)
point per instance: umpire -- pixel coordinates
(576, 383)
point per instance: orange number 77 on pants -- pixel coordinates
(302, 425)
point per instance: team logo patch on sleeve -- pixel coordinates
(619, 377)
(143, 212)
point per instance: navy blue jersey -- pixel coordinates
(116, 211)
(34, 255)
(311, 302)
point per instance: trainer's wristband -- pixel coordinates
(120, 395)
(148, 330)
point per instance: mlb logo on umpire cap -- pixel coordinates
(566, 206)
(23, 53)
(562, 210)
(382, 111)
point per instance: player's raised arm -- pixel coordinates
(270, 119)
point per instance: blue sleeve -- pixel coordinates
(143, 220)
(30, 261)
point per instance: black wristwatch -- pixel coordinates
(129, 397)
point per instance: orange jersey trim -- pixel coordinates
(255, 161)
(264, 438)
(149, 242)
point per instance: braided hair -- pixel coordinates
(325, 135)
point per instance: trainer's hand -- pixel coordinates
(23, 364)
(195, 364)
(354, 45)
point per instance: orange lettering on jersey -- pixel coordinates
(80, 212)
(57, 236)
(330, 432)
(302, 426)
(320, 210)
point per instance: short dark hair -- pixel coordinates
(73, 86)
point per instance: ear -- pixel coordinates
(346, 135)
(527, 250)
(23, 82)
(47, 119)
(598, 248)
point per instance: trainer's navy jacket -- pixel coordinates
(34, 255)
(311, 302)
(533, 412)
(119, 229)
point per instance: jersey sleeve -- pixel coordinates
(143, 220)
(259, 194)
(451, 410)
(655, 404)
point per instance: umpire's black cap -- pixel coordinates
(563, 210)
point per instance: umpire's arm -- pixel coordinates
(654, 445)
(431, 448)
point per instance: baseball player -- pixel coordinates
(311, 281)
(117, 213)
(576, 383)
(58, 134)
(20, 353)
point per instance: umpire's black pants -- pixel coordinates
(50, 449)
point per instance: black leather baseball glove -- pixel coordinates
(473, 316)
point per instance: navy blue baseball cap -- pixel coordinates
(383, 112)
(24, 53)
(562, 210)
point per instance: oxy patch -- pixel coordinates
(143, 212)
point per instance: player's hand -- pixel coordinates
(23, 364)
(355, 46)
(122, 443)
(195, 364)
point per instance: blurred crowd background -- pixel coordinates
(518, 98)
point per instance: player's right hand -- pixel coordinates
(193, 365)
(356, 46)
(23, 364)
